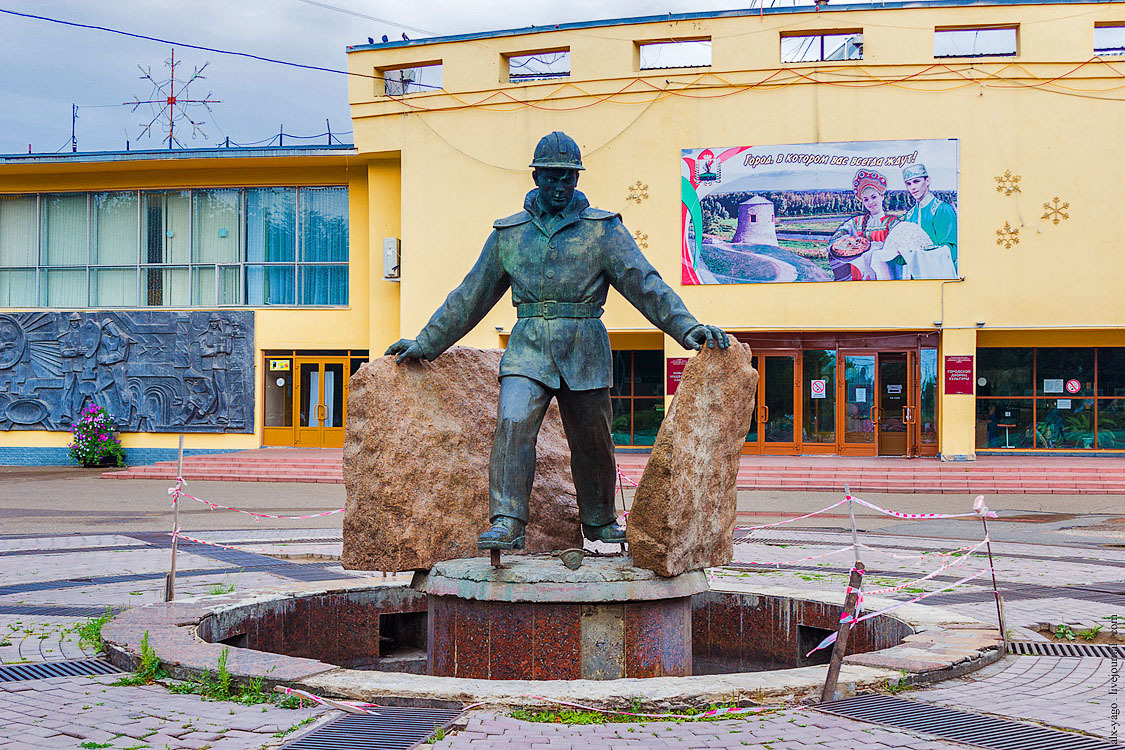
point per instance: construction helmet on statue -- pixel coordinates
(557, 150)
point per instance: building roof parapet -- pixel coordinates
(717, 14)
(257, 152)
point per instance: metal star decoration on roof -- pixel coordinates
(170, 104)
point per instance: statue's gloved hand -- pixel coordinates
(405, 349)
(710, 336)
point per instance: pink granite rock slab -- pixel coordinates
(416, 450)
(683, 513)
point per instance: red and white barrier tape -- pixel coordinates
(731, 711)
(791, 562)
(920, 556)
(832, 638)
(622, 475)
(258, 550)
(351, 707)
(953, 564)
(978, 511)
(177, 492)
(788, 520)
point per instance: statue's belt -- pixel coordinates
(550, 309)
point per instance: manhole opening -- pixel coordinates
(809, 638)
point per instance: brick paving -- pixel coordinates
(1072, 694)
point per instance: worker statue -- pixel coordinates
(559, 255)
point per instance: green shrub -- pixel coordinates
(94, 443)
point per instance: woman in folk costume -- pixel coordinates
(851, 247)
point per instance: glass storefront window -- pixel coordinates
(819, 398)
(1056, 367)
(1111, 371)
(638, 377)
(1111, 423)
(1004, 423)
(1004, 372)
(1064, 423)
(927, 413)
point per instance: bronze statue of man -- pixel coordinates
(559, 256)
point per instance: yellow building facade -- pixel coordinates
(1034, 302)
(1031, 324)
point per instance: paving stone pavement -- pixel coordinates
(780, 730)
(1072, 694)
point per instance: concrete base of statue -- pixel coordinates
(535, 619)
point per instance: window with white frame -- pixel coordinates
(821, 45)
(175, 248)
(980, 41)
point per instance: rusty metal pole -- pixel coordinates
(170, 580)
(495, 558)
(855, 580)
(995, 589)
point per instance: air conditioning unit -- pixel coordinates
(392, 256)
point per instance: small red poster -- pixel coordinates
(675, 373)
(959, 375)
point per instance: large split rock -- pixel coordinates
(416, 449)
(684, 509)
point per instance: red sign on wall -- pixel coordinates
(675, 374)
(959, 375)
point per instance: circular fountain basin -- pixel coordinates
(366, 639)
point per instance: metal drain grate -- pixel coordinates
(390, 728)
(57, 610)
(1078, 650)
(959, 726)
(46, 669)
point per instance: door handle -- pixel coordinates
(906, 415)
(764, 414)
(321, 416)
(874, 415)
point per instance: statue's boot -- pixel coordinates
(612, 533)
(506, 533)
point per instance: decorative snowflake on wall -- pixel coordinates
(641, 238)
(171, 105)
(1056, 210)
(638, 192)
(1008, 236)
(1008, 183)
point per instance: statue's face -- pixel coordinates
(556, 186)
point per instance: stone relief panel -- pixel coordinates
(154, 371)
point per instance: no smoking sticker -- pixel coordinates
(1073, 386)
(817, 388)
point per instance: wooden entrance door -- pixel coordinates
(776, 416)
(320, 401)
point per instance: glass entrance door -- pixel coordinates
(320, 402)
(858, 404)
(896, 412)
(775, 416)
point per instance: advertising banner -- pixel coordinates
(853, 211)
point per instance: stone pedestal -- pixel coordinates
(534, 619)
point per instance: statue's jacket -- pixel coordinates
(573, 257)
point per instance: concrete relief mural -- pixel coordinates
(153, 371)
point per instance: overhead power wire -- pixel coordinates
(396, 24)
(216, 50)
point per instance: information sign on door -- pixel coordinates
(675, 374)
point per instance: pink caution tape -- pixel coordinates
(621, 475)
(832, 638)
(177, 492)
(257, 550)
(731, 711)
(917, 516)
(953, 564)
(791, 562)
(788, 520)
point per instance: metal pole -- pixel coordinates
(170, 582)
(73, 135)
(995, 589)
(855, 580)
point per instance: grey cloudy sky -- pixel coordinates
(47, 67)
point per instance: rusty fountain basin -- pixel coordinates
(367, 639)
